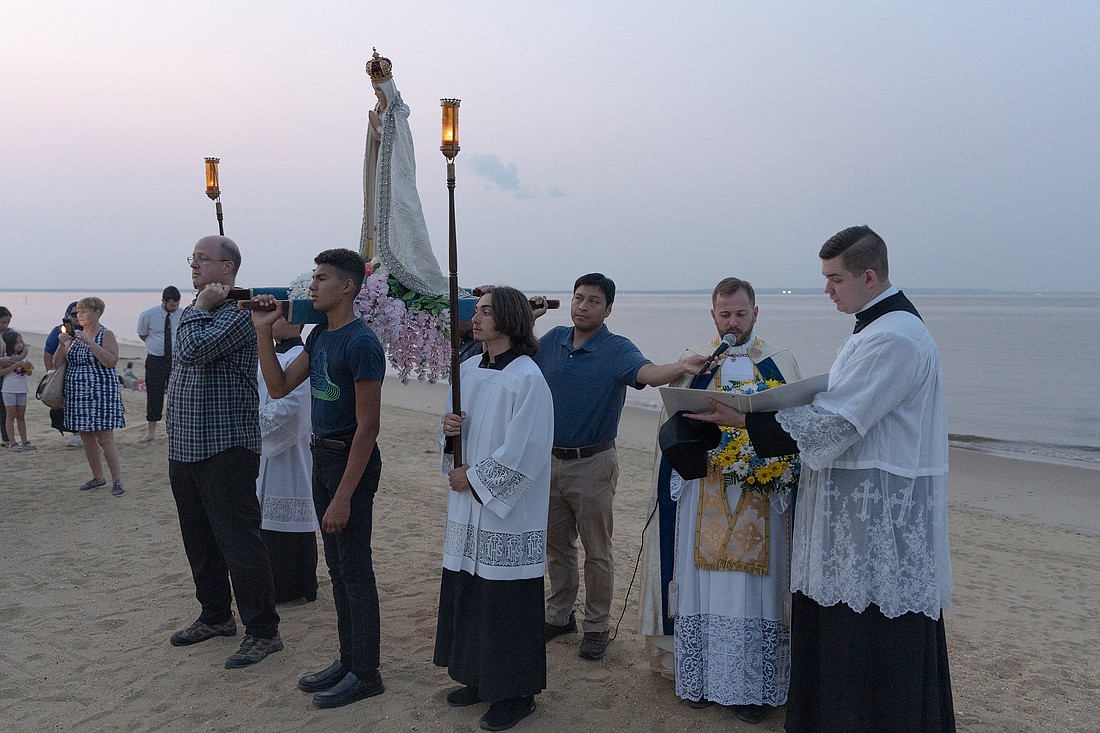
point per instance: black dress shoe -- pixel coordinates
(350, 689)
(750, 713)
(552, 631)
(323, 680)
(504, 714)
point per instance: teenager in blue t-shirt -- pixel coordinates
(345, 364)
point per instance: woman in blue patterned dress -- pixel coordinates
(93, 404)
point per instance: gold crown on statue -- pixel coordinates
(379, 68)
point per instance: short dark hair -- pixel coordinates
(4, 312)
(512, 315)
(860, 249)
(346, 262)
(731, 285)
(10, 337)
(170, 293)
(604, 283)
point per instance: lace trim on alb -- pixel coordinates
(872, 538)
(500, 549)
(821, 436)
(289, 510)
(732, 661)
(277, 436)
(505, 484)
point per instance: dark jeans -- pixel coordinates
(220, 522)
(157, 369)
(348, 556)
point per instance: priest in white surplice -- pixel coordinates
(285, 485)
(715, 567)
(870, 567)
(489, 630)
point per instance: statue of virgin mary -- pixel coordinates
(393, 231)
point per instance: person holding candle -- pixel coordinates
(53, 342)
(93, 403)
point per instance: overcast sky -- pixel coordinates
(664, 144)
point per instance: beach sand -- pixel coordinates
(92, 586)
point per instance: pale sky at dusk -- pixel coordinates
(664, 144)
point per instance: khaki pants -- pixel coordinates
(581, 495)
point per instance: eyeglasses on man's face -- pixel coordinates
(202, 260)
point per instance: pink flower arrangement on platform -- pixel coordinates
(413, 328)
(416, 339)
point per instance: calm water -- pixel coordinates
(1010, 385)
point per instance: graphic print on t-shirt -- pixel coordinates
(319, 385)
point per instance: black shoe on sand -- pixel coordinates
(552, 631)
(200, 631)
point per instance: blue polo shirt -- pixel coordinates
(588, 383)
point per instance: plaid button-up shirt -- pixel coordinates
(212, 399)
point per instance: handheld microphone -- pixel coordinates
(728, 341)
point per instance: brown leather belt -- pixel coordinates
(331, 443)
(571, 454)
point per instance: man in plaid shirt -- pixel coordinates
(214, 459)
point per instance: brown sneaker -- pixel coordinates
(253, 649)
(594, 645)
(200, 631)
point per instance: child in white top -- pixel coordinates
(16, 387)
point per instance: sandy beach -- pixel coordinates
(92, 586)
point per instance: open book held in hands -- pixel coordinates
(792, 394)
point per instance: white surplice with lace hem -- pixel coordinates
(871, 520)
(732, 629)
(284, 485)
(506, 441)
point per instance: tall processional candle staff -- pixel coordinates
(449, 148)
(213, 190)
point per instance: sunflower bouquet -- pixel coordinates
(736, 460)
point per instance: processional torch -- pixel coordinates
(449, 148)
(213, 190)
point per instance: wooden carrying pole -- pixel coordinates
(456, 391)
(450, 148)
